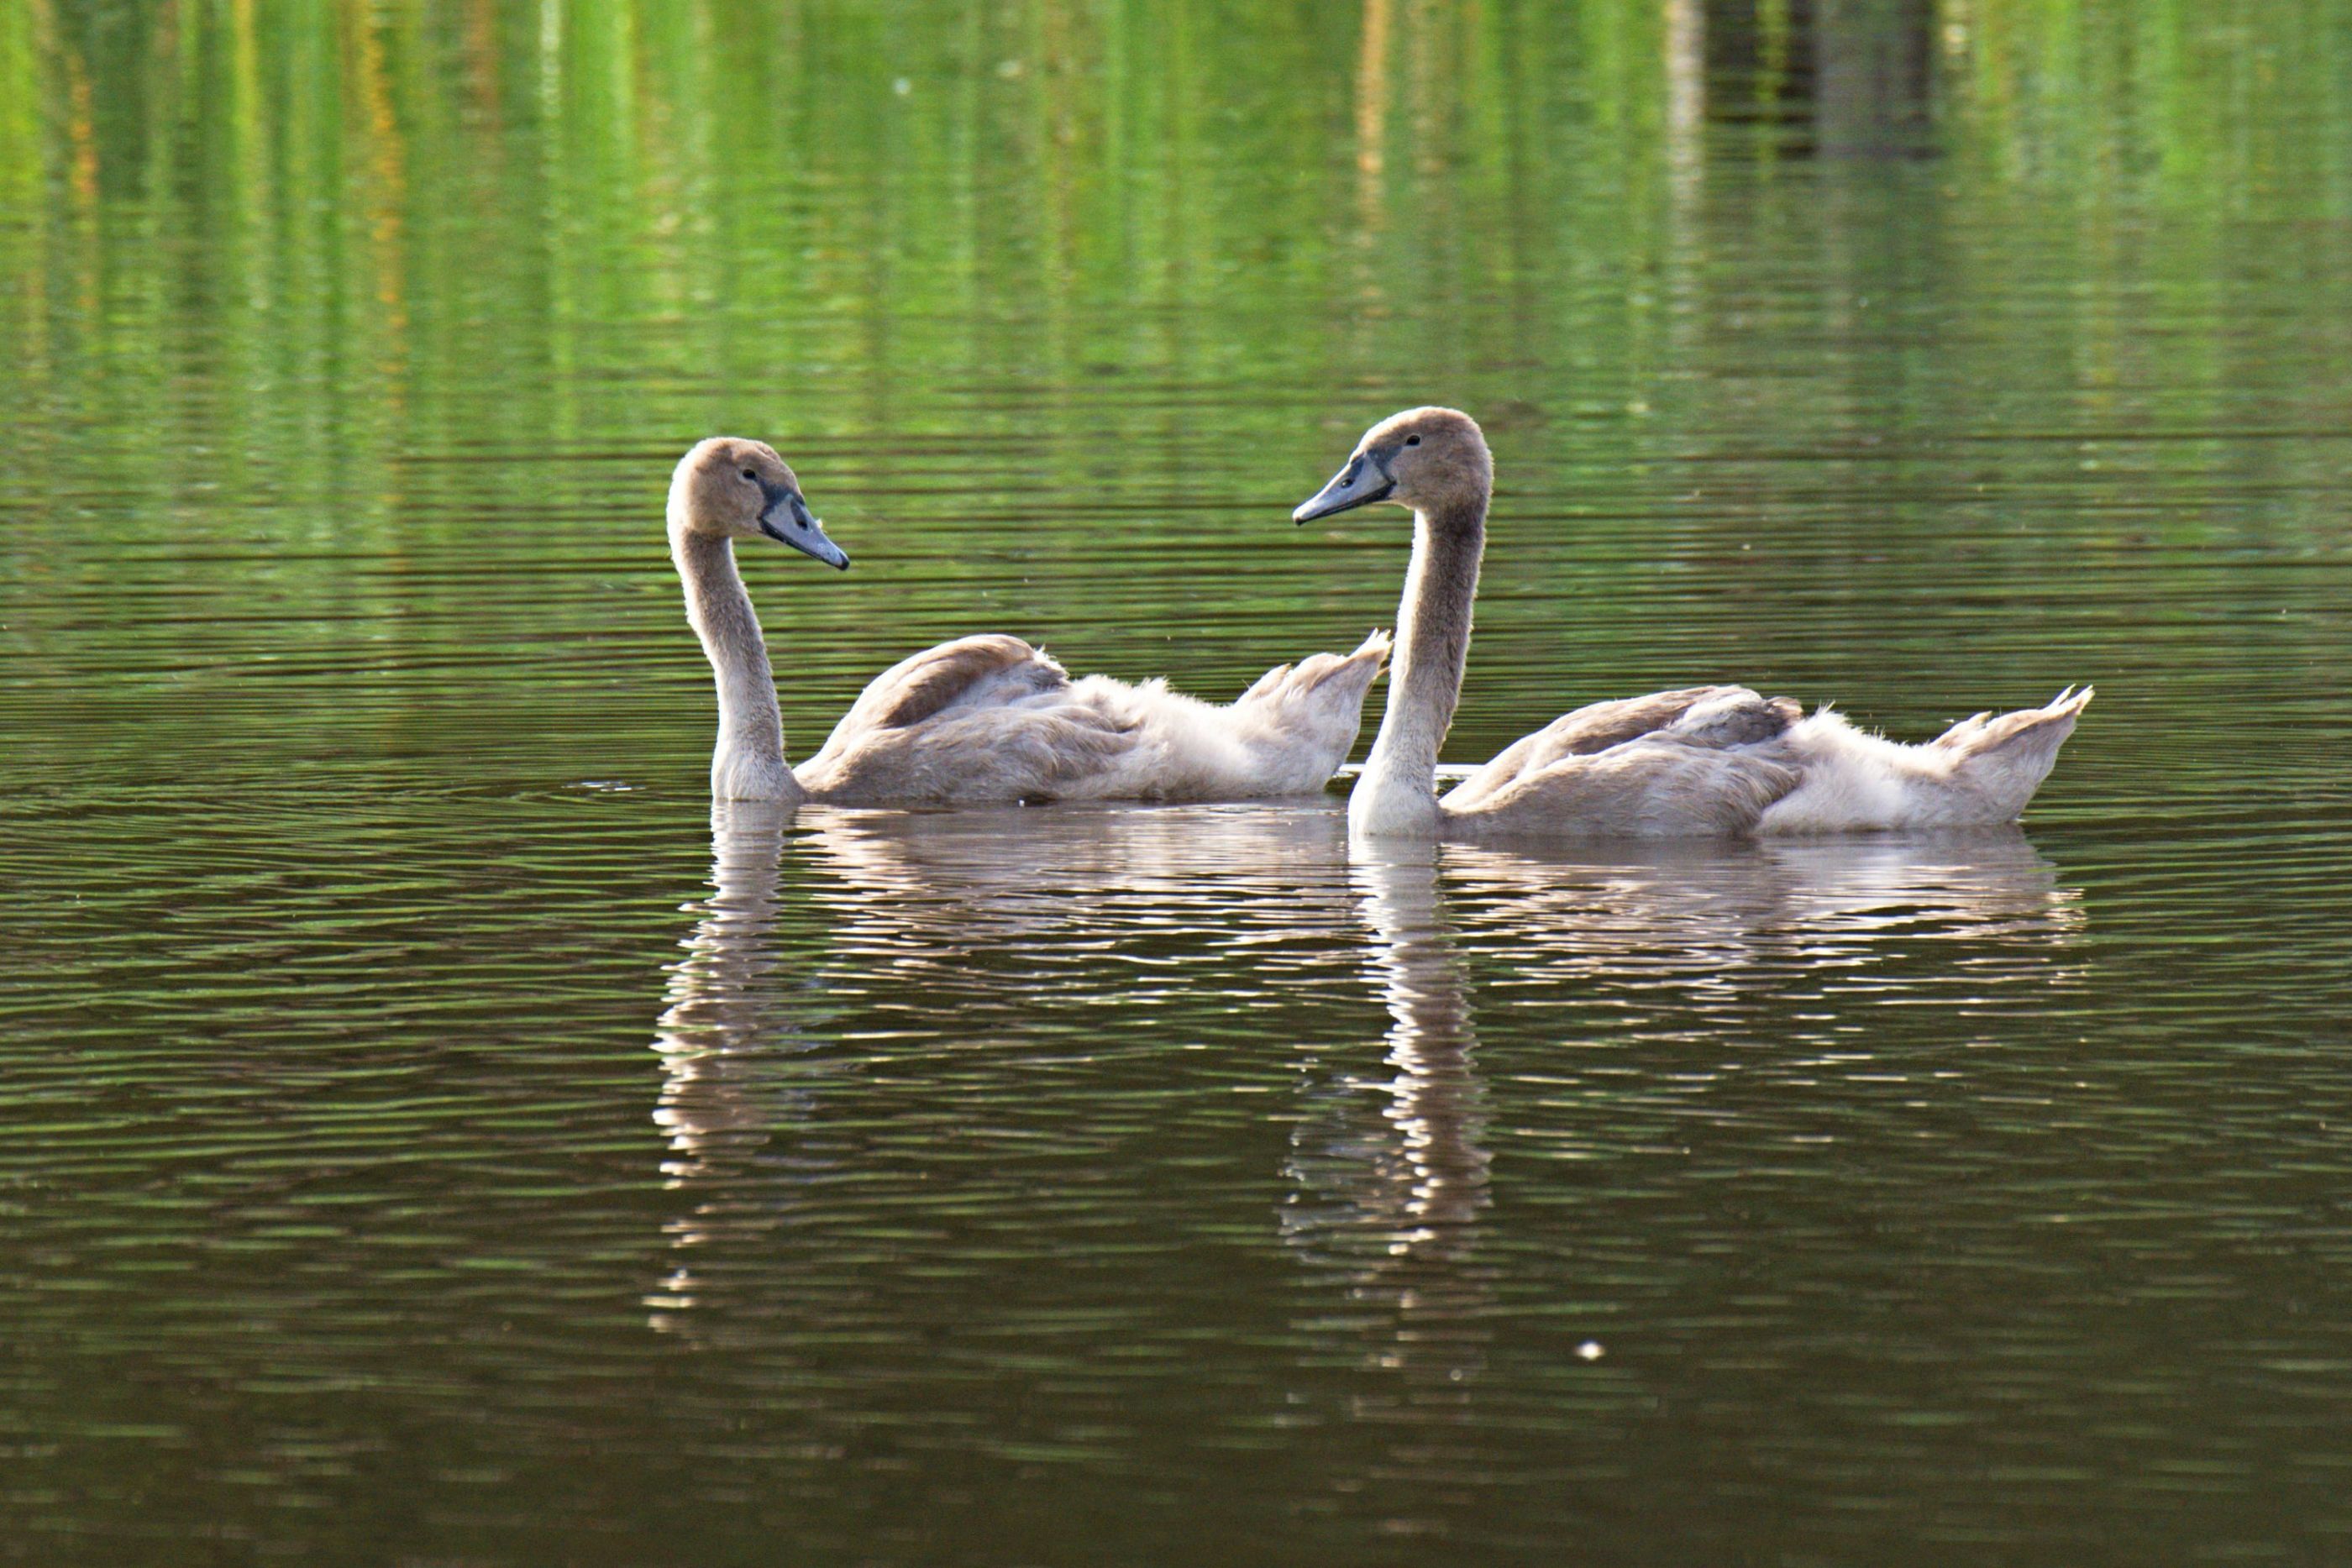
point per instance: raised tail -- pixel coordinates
(1301, 720)
(1335, 678)
(2003, 757)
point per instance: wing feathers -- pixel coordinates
(1704, 716)
(1657, 787)
(969, 669)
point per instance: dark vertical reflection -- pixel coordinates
(1872, 77)
(1848, 79)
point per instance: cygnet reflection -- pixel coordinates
(1655, 925)
(732, 990)
(841, 940)
(961, 925)
(735, 1009)
(1662, 924)
(1389, 1196)
(913, 889)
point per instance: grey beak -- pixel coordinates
(1363, 481)
(788, 521)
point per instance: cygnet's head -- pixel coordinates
(730, 488)
(1430, 460)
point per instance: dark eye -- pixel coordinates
(1413, 441)
(750, 475)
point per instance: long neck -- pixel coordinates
(1398, 794)
(749, 764)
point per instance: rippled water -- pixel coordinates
(435, 1139)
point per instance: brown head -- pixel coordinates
(729, 488)
(1430, 460)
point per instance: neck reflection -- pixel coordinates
(733, 1013)
(1388, 1174)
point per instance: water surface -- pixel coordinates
(436, 1139)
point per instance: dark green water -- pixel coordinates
(432, 1141)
